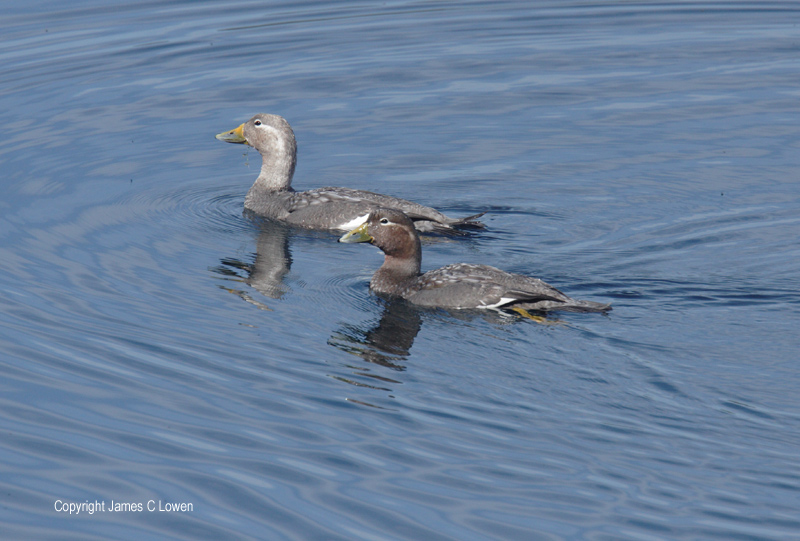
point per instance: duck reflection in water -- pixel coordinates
(385, 342)
(266, 273)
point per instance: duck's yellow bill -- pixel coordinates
(233, 136)
(359, 234)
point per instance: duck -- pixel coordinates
(331, 208)
(456, 286)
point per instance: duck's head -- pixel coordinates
(390, 230)
(269, 134)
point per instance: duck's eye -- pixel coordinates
(384, 221)
(257, 122)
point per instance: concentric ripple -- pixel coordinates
(211, 208)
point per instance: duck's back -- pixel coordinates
(339, 208)
(481, 286)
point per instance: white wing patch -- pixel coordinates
(501, 302)
(355, 222)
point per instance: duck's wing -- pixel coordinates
(481, 286)
(320, 209)
(341, 206)
(478, 286)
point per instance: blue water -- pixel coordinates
(157, 346)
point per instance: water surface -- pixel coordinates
(159, 346)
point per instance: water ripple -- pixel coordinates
(209, 208)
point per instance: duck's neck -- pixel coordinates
(277, 170)
(397, 270)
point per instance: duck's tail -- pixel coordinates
(453, 227)
(565, 305)
(585, 306)
(469, 221)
